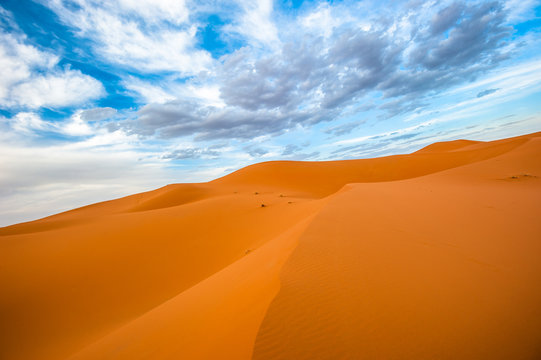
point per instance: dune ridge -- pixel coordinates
(426, 255)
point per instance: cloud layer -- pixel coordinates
(312, 78)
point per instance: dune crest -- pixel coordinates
(428, 255)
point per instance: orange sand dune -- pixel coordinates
(431, 255)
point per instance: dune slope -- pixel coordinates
(427, 255)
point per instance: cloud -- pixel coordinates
(31, 78)
(521, 10)
(77, 125)
(153, 92)
(255, 151)
(343, 129)
(146, 36)
(66, 88)
(173, 11)
(256, 23)
(446, 18)
(322, 20)
(311, 78)
(290, 149)
(486, 92)
(98, 114)
(81, 123)
(148, 92)
(28, 122)
(186, 117)
(293, 152)
(191, 153)
(472, 40)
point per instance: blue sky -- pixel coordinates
(101, 99)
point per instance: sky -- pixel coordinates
(102, 99)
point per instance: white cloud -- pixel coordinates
(77, 126)
(174, 11)
(140, 35)
(256, 23)
(27, 122)
(66, 88)
(206, 93)
(147, 92)
(323, 20)
(521, 10)
(17, 61)
(23, 85)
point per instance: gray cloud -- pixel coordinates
(98, 114)
(343, 129)
(181, 118)
(255, 151)
(314, 79)
(191, 153)
(446, 18)
(290, 149)
(486, 92)
(471, 41)
(292, 152)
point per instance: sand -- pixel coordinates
(430, 255)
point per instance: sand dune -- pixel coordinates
(430, 255)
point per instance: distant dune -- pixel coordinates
(432, 255)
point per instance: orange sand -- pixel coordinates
(431, 255)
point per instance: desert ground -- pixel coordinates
(430, 255)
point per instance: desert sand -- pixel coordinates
(431, 255)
